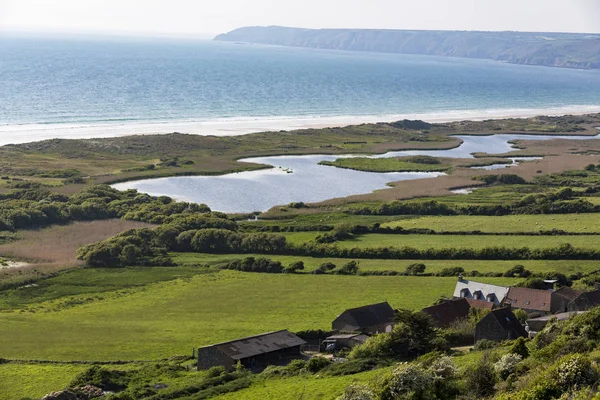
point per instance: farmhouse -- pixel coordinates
(561, 298)
(533, 301)
(479, 291)
(585, 301)
(448, 311)
(260, 350)
(499, 324)
(372, 319)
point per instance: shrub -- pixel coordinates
(409, 381)
(358, 391)
(454, 271)
(574, 370)
(507, 365)
(480, 379)
(519, 347)
(315, 364)
(349, 268)
(351, 367)
(415, 269)
(484, 344)
(443, 368)
(215, 371)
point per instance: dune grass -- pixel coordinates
(166, 318)
(55, 248)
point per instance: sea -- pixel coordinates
(93, 86)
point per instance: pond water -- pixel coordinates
(301, 178)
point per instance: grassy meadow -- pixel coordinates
(24, 381)
(162, 319)
(422, 242)
(573, 223)
(433, 266)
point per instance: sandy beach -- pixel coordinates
(15, 134)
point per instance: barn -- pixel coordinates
(271, 348)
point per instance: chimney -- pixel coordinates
(460, 278)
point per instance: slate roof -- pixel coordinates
(567, 293)
(449, 311)
(367, 316)
(259, 344)
(593, 297)
(529, 299)
(506, 318)
(470, 287)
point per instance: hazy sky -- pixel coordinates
(202, 17)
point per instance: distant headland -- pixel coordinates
(567, 50)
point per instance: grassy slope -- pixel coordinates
(509, 223)
(433, 266)
(163, 319)
(302, 387)
(21, 381)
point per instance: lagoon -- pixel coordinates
(301, 178)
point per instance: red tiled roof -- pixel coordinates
(529, 299)
(481, 304)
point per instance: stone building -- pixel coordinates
(253, 352)
(371, 319)
(500, 324)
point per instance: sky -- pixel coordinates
(205, 18)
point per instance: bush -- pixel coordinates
(415, 269)
(357, 391)
(480, 379)
(409, 381)
(349, 268)
(315, 364)
(574, 370)
(507, 365)
(519, 347)
(484, 344)
(351, 367)
(215, 371)
(454, 271)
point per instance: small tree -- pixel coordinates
(350, 268)
(294, 267)
(415, 269)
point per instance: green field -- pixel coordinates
(580, 223)
(433, 266)
(22, 381)
(166, 318)
(452, 241)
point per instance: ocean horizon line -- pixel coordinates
(241, 125)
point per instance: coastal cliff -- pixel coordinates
(569, 50)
